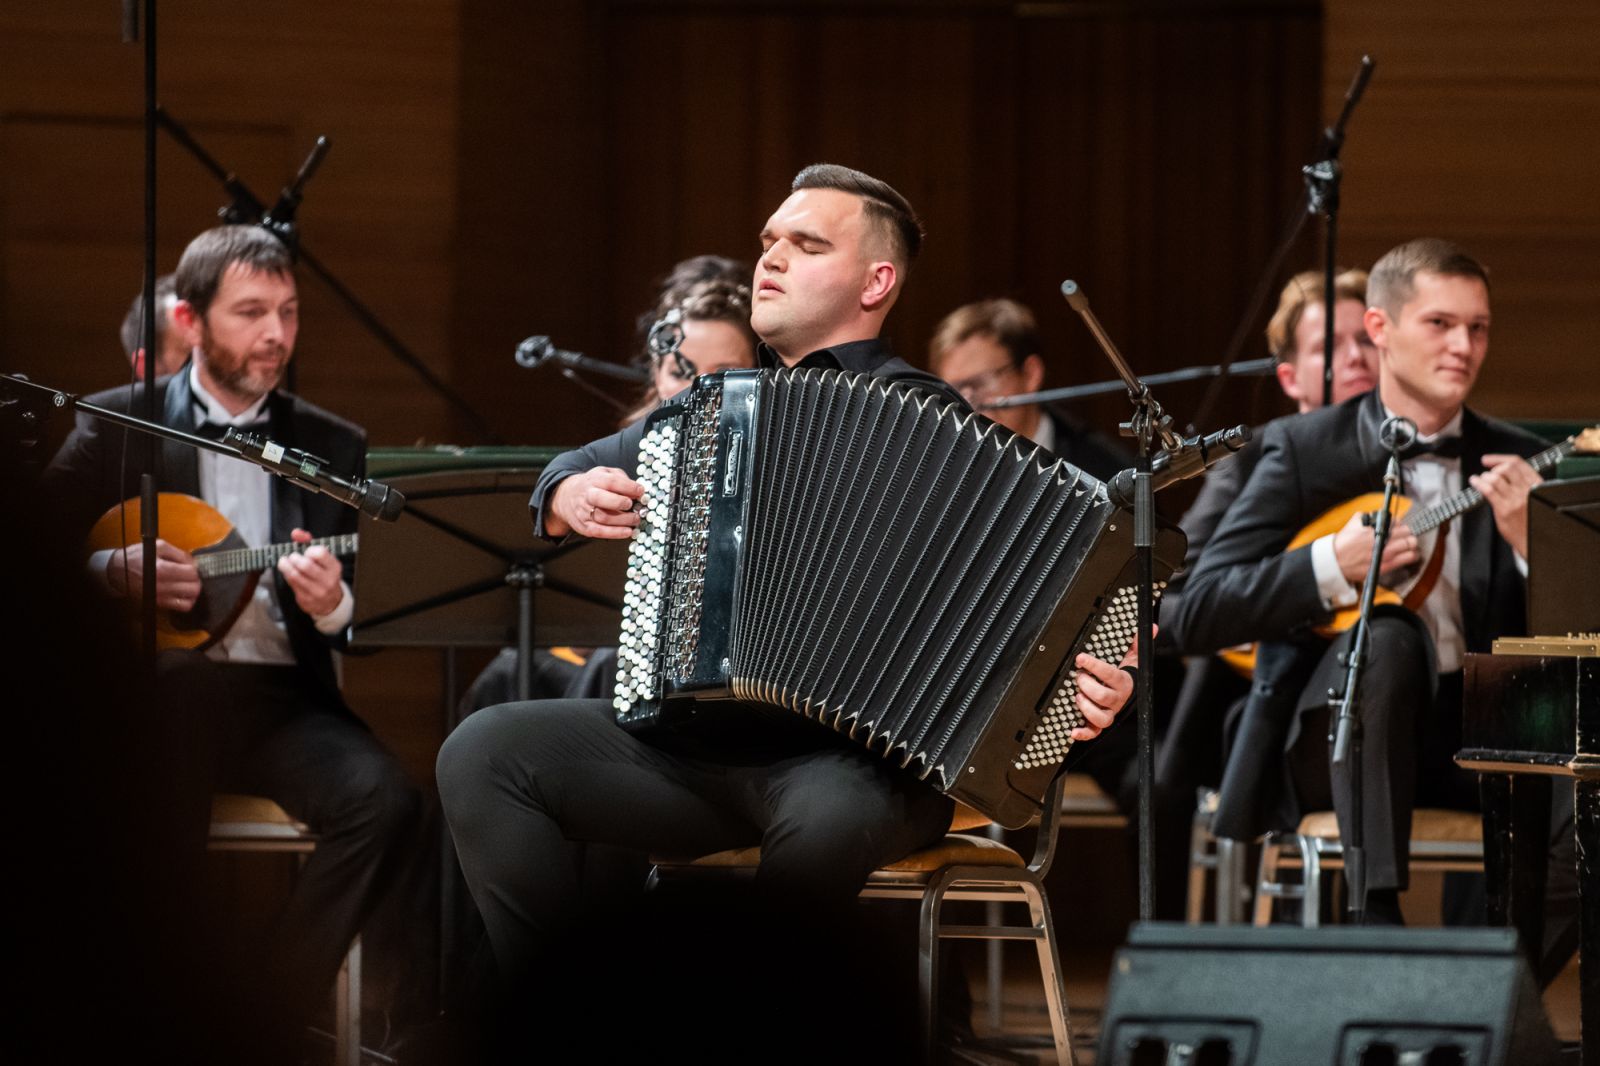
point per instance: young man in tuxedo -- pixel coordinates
(521, 780)
(259, 711)
(1428, 316)
(990, 350)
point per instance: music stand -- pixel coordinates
(1563, 530)
(435, 577)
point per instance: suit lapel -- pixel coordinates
(1369, 420)
(288, 500)
(180, 464)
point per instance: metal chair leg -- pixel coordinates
(347, 1009)
(1055, 992)
(928, 971)
(994, 952)
(1230, 881)
(1310, 882)
(1204, 854)
(1267, 885)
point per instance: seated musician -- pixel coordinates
(1428, 316)
(990, 350)
(172, 341)
(258, 711)
(1189, 753)
(713, 316)
(519, 781)
(1295, 338)
(706, 299)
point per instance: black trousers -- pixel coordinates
(1411, 729)
(271, 731)
(520, 781)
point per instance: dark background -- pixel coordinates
(503, 169)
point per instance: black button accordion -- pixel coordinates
(882, 562)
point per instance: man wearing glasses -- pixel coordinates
(990, 350)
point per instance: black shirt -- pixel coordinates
(621, 449)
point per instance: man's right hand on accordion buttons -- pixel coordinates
(596, 503)
(1103, 689)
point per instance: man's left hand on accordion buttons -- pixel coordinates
(1103, 690)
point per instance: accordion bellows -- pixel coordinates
(882, 562)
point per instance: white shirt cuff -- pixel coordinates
(1522, 564)
(1334, 590)
(340, 616)
(97, 570)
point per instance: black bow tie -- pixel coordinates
(216, 431)
(1443, 447)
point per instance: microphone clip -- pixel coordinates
(665, 341)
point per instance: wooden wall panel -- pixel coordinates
(1478, 126)
(1149, 151)
(256, 85)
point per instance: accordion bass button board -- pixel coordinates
(878, 560)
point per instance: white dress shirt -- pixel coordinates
(1044, 434)
(242, 491)
(1427, 480)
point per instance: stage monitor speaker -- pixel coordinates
(1284, 996)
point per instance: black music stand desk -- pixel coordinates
(463, 568)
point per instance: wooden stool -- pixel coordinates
(1440, 840)
(256, 824)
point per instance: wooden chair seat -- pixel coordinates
(256, 824)
(956, 849)
(1427, 823)
(1440, 840)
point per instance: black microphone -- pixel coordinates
(536, 351)
(369, 497)
(1194, 455)
(280, 220)
(1397, 434)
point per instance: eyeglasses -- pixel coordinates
(980, 388)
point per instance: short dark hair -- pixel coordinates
(1009, 323)
(209, 256)
(132, 331)
(892, 214)
(1394, 276)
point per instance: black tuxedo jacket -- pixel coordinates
(1246, 587)
(86, 478)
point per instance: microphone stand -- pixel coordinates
(1148, 425)
(1345, 728)
(149, 496)
(66, 401)
(1322, 197)
(1332, 141)
(1253, 367)
(246, 209)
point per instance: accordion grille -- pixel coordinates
(900, 554)
(889, 565)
